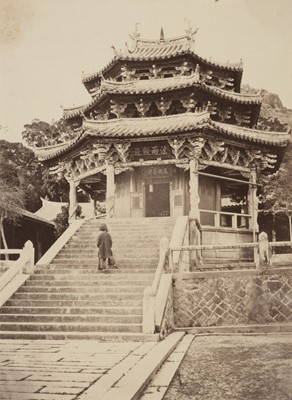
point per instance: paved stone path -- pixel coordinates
(53, 370)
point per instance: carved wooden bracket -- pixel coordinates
(163, 105)
(117, 108)
(189, 103)
(184, 69)
(242, 118)
(126, 73)
(143, 107)
(197, 145)
(213, 147)
(155, 72)
(177, 146)
(123, 150)
(225, 114)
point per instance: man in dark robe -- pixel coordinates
(104, 244)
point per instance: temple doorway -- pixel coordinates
(157, 200)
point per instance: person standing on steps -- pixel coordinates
(105, 253)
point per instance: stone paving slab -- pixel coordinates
(60, 370)
(133, 383)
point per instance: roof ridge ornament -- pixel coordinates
(134, 36)
(190, 33)
(162, 35)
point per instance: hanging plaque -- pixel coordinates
(156, 172)
(150, 151)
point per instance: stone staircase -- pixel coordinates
(70, 298)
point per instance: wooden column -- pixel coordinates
(72, 198)
(253, 202)
(93, 201)
(110, 190)
(194, 189)
(253, 207)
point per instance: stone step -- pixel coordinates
(81, 289)
(88, 282)
(43, 274)
(64, 318)
(148, 254)
(82, 252)
(72, 310)
(74, 303)
(93, 261)
(99, 336)
(87, 271)
(70, 327)
(90, 296)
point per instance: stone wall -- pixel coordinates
(232, 298)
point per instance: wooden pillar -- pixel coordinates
(72, 198)
(194, 189)
(94, 204)
(253, 201)
(110, 190)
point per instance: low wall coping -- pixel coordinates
(231, 274)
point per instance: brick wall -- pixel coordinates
(232, 298)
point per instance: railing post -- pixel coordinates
(234, 221)
(28, 254)
(148, 311)
(263, 258)
(216, 220)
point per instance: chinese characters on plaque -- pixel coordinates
(150, 152)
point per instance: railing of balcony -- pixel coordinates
(224, 219)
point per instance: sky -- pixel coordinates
(46, 44)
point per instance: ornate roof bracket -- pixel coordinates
(184, 69)
(197, 145)
(117, 108)
(123, 150)
(163, 105)
(212, 148)
(177, 146)
(268, 160)
(120, 169)
(189, 103)
(127, 74)
(155, 72)
(183, 164)
(143, 107)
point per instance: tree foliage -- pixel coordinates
(61, 221)
(12, 201)
(19, 168)
(40, 133)
(276, 195)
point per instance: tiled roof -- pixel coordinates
(155, 126)
(150, 85)
(237, 97)
(34, 216)
(72, 112)
(228, 66)
(139, 127)
(254, 135)
(147, 48)
(47, 152)
(150, 50)
(160, 85)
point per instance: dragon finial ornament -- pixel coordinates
(136, 31)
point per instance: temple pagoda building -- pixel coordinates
(169, 133)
